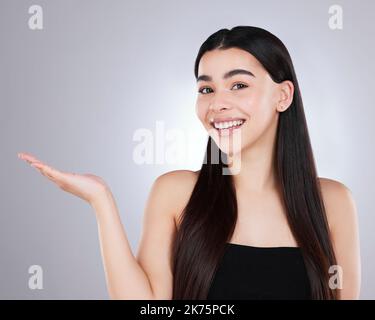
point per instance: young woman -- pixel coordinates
(268, 229)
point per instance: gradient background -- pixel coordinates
(74, 93)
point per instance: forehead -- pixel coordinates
(218, 61)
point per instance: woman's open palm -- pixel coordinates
(86, 186)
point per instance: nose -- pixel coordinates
(217, 107)
(218, 103)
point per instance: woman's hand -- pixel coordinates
(86, 186)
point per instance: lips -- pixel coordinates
(225, 123)
(225, 126)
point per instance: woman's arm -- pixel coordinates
(342, 217)
(126, 277)
(125, 274)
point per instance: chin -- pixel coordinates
(231, 152)
(229, 147)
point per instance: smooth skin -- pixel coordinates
(261, 216)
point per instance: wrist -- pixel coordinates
(102, 200)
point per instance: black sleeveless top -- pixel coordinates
(253, 273)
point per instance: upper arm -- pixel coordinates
(167, 197)
(342, 217)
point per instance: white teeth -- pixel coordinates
(227, 124)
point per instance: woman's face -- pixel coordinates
(237, 100)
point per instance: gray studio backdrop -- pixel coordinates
(75, 93)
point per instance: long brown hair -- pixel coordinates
(208, 220)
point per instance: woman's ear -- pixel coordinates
(286, 91)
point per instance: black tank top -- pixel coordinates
(253, 273)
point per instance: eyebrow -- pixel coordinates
(226, 75)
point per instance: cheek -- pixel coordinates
(201, 110)
(261, 112)
(265, 101)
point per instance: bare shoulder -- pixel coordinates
(181, 178)
(166, 198)
(333, 189)
(177, 187)
(343, 222)
(338, 201)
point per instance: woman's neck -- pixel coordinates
(255, 169)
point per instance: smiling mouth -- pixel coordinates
(225, 127)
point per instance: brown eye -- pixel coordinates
(201, 90)
(241, 84)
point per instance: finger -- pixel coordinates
(30, 159)
(24, 155)
(48, 171)
(36, 162)
(27, 157)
